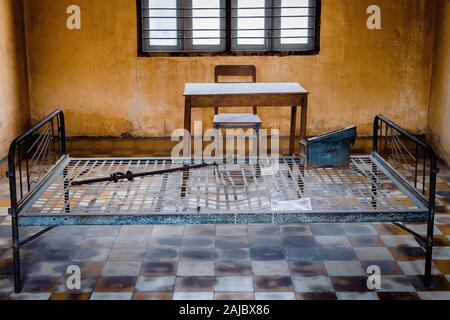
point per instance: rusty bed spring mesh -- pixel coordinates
(223, 189)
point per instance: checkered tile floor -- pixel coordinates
(229, 262)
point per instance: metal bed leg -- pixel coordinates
(16, 254)
(429, 249)
(428, 263)
(427, 244)
(17, 244)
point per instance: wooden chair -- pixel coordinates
(237, 120)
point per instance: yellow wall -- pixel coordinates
(106, 90)
(14, 110)
(440, 93)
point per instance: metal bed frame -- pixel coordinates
(396, 183)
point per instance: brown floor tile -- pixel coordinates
(273, 284)
(321, 296)
(445, 229)
(307, 268)
(405, 253)
(443, 266)
(398, 296)
(389, 229)
(296, 230)
(159, 268)
(148, 296)
(233, 268)
(115, 284)
(442, 209)
(126, 254)
(195, 284)
(366, 241)
(91, 269)
(350, 284)
(442, 241)
(70, 296)
(234, 296)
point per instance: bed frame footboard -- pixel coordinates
(414, 162)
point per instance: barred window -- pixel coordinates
(229, 26)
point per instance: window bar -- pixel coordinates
(270, 31)
(229, 25)
(317, 19)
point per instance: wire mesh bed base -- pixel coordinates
(225, 194)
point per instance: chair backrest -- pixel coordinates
(235, 71)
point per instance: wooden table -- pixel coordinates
(211, 95)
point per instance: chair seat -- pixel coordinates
(239, 120)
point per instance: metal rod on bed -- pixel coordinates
(130, 176)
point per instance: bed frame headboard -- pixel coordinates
(409, 156)
(33, 155)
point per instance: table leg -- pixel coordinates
(187, 143)
(187, 152)
(304, 125)
(187, 114)
(293, 130)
